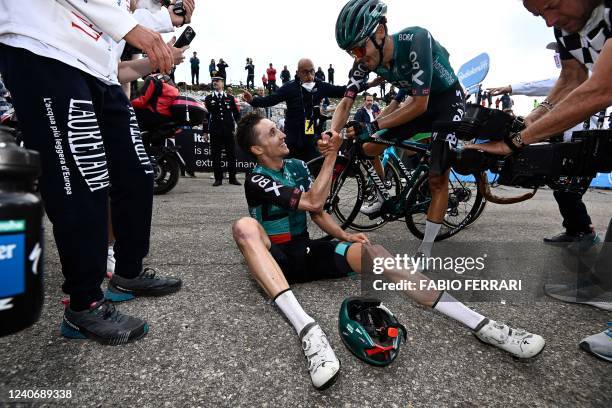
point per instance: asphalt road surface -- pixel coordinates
(219, 342)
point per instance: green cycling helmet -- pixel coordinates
(357, 21)
(370, 331)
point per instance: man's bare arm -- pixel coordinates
(341, 114)
(573, 74)
(314, 199)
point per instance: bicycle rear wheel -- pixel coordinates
(346, 195)
(465, 201)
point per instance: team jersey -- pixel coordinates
(420, 66)
(273, 198)
(586, 45)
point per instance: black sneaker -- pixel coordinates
(562, 238)
(146, 284)
(565, 238)
(104, 324)
(235, 182)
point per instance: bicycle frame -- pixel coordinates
(358, 157)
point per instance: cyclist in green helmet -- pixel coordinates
(417, 64)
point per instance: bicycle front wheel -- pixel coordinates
(464, 202)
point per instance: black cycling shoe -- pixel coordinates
(102, 323)
(146, 284)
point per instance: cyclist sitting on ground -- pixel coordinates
(278, 250)
(413, 61)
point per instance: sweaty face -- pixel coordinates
(270, 139)
(371, 59)
(568, 15)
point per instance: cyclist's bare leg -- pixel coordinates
(379, 167)
(438, 185)
(423, 293)
(254, 244)
(373, 149)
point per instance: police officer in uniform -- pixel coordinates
(222, 117)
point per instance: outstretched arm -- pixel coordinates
(341, 114)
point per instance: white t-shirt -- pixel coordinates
(81, 34)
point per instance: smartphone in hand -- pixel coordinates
(186, 37)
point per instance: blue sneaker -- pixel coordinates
(599, 344)
(146, 284)
(102, 323)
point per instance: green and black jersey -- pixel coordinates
(420, 66)
(273, 198)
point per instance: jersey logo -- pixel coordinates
(406, 37)
(415, 78)
(355, 83)
(263, 181)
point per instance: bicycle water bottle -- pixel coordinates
(21, 263)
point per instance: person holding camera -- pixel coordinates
(576, 220)
(72, 111)
(582, 29)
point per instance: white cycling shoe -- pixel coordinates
(517, 342)
(323, 364)
(371, 207)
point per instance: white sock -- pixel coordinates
(111, 250)
(451, 307)
(291, 308)
(431, 231)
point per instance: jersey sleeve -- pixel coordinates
(261, 189)
(358, 78)
(421, 56)
(563, 52)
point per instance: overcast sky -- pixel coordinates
(283, 31)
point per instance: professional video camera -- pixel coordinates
(537, 165)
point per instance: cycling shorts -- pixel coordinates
(305, 260)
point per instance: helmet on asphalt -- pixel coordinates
(370, 331)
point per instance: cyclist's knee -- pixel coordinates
(245, 230)
(373, 149)
(438, 182)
